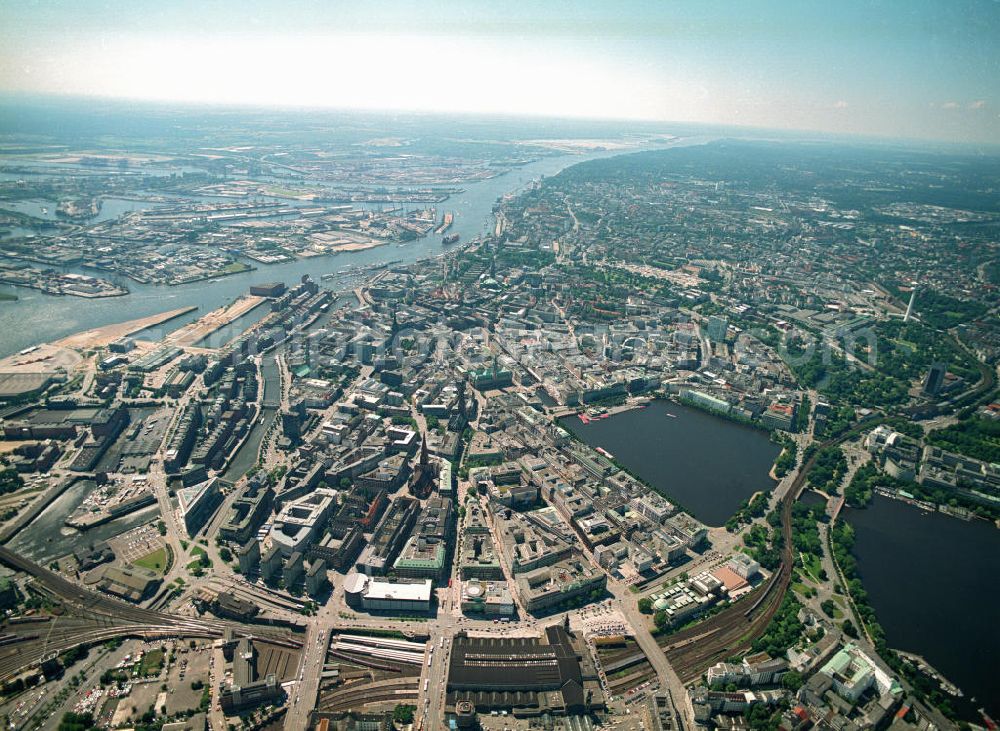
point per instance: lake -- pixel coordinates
(931, 580)
(705, 463)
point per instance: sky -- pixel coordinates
(895, 68)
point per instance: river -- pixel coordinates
(705, 463)
(35, 318)
(930, 579)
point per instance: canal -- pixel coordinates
(705, 463)
(932, 582)
(246, 457)
(47, 538)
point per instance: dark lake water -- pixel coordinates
(703, 462)
(811, 497)
(932, 582)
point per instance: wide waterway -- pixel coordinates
(35, 318)
(932, 582)
(705, 463)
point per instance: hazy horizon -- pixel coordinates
(33, 114)
(926, 70)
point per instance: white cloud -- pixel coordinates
(950, 105)
(840, 104)
(978, 104)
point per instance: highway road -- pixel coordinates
(305, 693)
(669, 679)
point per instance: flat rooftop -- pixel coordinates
(419, 591)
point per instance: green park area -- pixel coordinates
(158, 561)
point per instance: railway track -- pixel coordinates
(93, 618)
(34, 652)
(692, 651)
(355, 698)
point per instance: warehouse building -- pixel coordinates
(132, 583)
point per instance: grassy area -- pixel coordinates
(155, 561)
(152, 663)
(976, 437)
(806, 592)
(201, 561)
(905, 352)
(812, 565)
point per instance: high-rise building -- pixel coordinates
(717, 327)
(270, 565)
(291, 425)
(249, 556)
(316, 577)
(909, 307)
(935, 379)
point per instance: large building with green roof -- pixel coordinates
(853, 672)
(421, 558)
